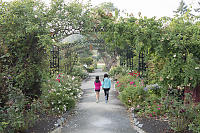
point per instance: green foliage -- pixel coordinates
(181, 114)
(88, 61)
(24, 36)
(79, 71)
(19, 114)
(118, 71)
(132, 95)
(90, 69)
(131, 89)
(195, 125)
(25, 41)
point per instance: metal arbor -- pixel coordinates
(126, 58)
(142, 66)
(55, 52)
(54, 59)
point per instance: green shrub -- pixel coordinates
(133, 94)
(116, 71)
(90, 69)
(79, 71)
(88, 61)
(180, 113)
(195, 124)
(19, 114)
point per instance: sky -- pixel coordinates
(149, 8)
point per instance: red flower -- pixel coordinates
(58, 80)
(118, 85)
(131, 82)
(117, 82)
(130, 74)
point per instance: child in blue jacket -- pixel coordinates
(106, 85)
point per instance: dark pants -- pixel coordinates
(106, 91)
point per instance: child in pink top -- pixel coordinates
(97, 88)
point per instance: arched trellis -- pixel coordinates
(54, 59)
(142, 65)
(77, 46)
(126, 59)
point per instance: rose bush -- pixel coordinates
(61, 92)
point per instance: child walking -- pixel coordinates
(106, 85)
(97, 84)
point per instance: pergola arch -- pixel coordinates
(74, 46)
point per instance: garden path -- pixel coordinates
(92, 117)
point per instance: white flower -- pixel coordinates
(36, 16)
(196, 68)
(73, 78)
(174, 56)
(59, 102)
(52, 30)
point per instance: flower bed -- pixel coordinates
(62, 92)
(149, 101)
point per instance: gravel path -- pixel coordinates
(92, 117)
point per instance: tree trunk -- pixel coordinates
(109, 60)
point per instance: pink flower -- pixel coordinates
(132, 108)
(150, 115)
(117, 82)
(58, 80)
(134, 85)
(131, 82)
(154, 112)
(129, 101)
(158, 108)
(59, 75)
